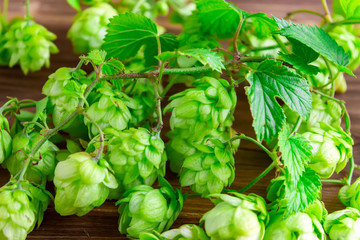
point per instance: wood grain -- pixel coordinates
(101, 223)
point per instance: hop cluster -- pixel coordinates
(200, 115)
(42, 164)
(5, 139)
(343, 224)
(350, 195)
(20, 209)
(81, 184)
(89, 27)
(236, 217)
(29, 45)
(302, 225)
(144, 209)
(136, 157)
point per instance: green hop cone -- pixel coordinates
(332, 148)
(350, 195)
(81, 184)
(144, 209)
(111, 110)
(236, 217)
(5, 139)
(185, 232)
(29, 45)
(199, 110)
(43, 162)
(136, 156)
(343, 224)
(302, 225)
(209, 169)
(89, 27)
(21, 206)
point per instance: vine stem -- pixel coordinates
(281, 44)
(343, 181)
(101, 140)
(328, 17)
(5, 10)
(3, 108)
(332, 25)
(238, 30)
(13, 108)
(291, 14)
(27, 10)
(351, 171)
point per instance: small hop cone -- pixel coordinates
(89, 27)
(81, 184)
(29, 45)
(343, 224)
(236, 217)
(111, 110)
(350, 195)
(332, 148)
(20, 209)
(209, 169)
(5, 139)
(43, 163)
(136, 157)
(197, 111)
(144, 209)
(301, 225)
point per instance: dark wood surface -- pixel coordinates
(101, 223)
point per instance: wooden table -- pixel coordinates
(101, 223)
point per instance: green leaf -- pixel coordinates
(351, 8)
(270, 81)
(296, 152)
(318, 40)
(128, 32)
(97, 56)
(40, 108)
(206, 57)
(75, 4)
(299, 63)
(300, 194)
(112, 67)
(218, 17)
(262, 24)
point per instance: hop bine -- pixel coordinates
(81, 184)
(343, 224)
(236, 217)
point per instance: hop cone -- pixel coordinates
(43, 163)
(136, 157)
(111, 110)
(144, 209)
(197, 111)
(29, 45)
(81, 184)
(185, 232)
(332, 148)
(65, 88)
(343, 224)
(20, 209)
(5, 139)
(350, 195)
(209, 169)
(302, 226)
(236, 217)
(89, 27)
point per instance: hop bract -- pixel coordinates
(42, 164)
(302, 225)
(144, 209)
(136, 156)
(350, 195)
(111, 110)
(343, 224)
(29, 45)
(209, 169)
(199, 110)
(236, 217)
(20, 209)
(5, 139)
(81, 184)
(89, 27)
(332, 148)
(185, 232)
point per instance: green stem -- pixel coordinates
(258, 178)
(167, 88)
(5, 10)
(14, 108)
(351, 170)
(332, 25)
(343, 181)
(327, 12)
(28, 16)
(291, 14)
(34, 123)
(281, 44)
(297, 126)
(101, 140)
(158, 108)
(238, 30)
(4, 107)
